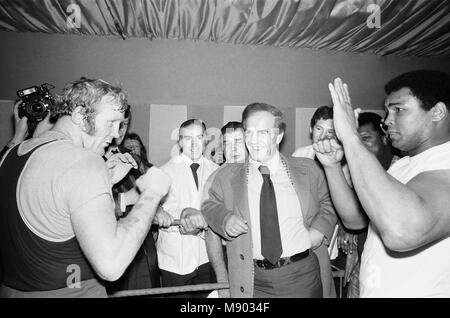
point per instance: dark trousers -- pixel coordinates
(204, 274)
(296, 280)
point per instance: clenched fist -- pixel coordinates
(235, 226)
(154, 180)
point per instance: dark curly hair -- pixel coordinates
(429, 86)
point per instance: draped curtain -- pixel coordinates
(406, 27)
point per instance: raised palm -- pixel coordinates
(345, 118)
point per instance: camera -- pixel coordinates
(36, 102)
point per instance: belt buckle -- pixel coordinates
(266, 264)
(278, 264)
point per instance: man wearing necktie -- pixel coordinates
(274, 211)
(182, 255)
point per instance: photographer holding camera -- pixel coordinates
(58, 233)
(22, 129)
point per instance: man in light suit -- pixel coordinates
(274, 211)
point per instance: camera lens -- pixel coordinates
(37, 108)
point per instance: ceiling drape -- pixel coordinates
(407, 27)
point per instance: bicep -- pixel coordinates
(94, 224)
(432, 189)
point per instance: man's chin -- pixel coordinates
(100, 152)
(195, 158)
(257, 158)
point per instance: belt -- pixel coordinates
(264, 263)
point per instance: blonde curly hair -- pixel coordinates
(87, 93)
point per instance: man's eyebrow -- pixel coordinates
(393, 104)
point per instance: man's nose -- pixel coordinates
(388, 119)
(322, 135)
(115, 132)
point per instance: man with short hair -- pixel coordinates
(182, 255)
(406, 251)
(273, 211)
(61, 234)
(234, 142)
(234, 152)
(321, 127)
(374, 138)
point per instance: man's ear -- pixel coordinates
(280, 137)
(78, 117)
(439, 111)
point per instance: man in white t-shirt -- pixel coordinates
(406, 251)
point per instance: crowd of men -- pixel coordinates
(84, 214)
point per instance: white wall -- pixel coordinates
(204, 76)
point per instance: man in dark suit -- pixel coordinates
(274, 211)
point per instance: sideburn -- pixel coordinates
(89, 122)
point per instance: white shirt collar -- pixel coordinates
(188, 160)
(273, 164)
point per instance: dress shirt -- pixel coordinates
(177, 253)
(294, 235)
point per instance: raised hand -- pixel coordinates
(119, 165)
(345, 121)
(20, 125)
(328, 151)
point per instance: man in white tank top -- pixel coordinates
(407, 249)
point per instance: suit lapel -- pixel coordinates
(241, 192)
(241, 205)
(300, 180)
